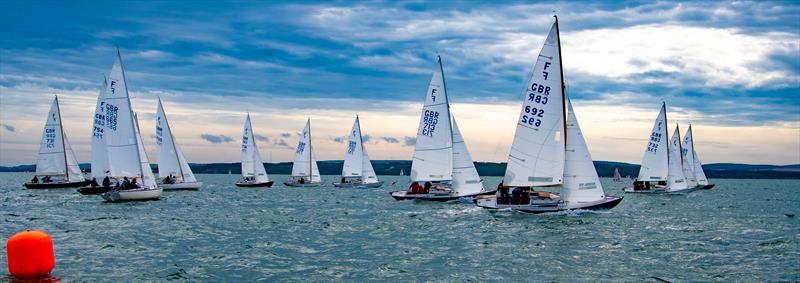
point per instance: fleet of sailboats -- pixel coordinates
(305, 172)
(442, 168)
(549, 165)
(357, 169)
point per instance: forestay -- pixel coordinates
(537, 153)
(655, 161)
(99, 151)
(170, 157)
(466, 180)
(433, 152)
(676, 181)
(581, 183)
(252, 165)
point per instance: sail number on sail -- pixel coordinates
(655, 139)
(430, 120)
(244, 141)
(99, 122)
(159, 134)
(111, 116)
(351, 147)
(538, 93)
(50, 137)
(300, 147)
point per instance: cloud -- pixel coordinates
(216, 138)
(366, 138)
(261, 138)
(286, 135)
(390, 139)
(409, 141)
(9, 128)
(338, 139)
(281, 143)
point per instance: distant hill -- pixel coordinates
(393, 167)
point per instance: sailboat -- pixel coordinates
(127, 159)
(663, 167)
(617, 176)
(441, 159)
(253, 172)
(172, 166)
(99, 166)
(357, 169)
(305, 172)
(56, 158)
(696, 166)
(402, 173)
(549, 150)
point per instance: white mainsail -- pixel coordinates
(537, 153)
(170, 157)
(581, 183)
(433, 152)
(252, 165)
(99, 152)
(305, 165)
(123, 143)
(55, 154)
(655, 162)
(353, 165)
(676, 181)
(687, 153)
(466, 180)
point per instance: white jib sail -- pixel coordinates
(120, 133)
(688, 158)
(99, 152)
(74, 169)
(581, 183)
(655, 162)
(52, 158)
(537, 153)
(353, 165)
(433, 152)
(368, 174)
(252, 165)
(170, 157)
(305, 165)
(466, 180)
(147, 180)
(698, 171)
(676, 181)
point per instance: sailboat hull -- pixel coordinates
(706, 187)
(133, 195)
(358, 185)
(652, 190)
(254, 185)
(89, 190)
(56, 185)
(546, 206)
(405, 195)
(183, 186)
(304, 185)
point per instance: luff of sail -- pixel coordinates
(170, 157)
(466, 180)
(252, 165)
(676, 181)
(99, 152)
(655, 163)
(433, 151)
(581, 183)
(537, 153)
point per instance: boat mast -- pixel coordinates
(130, 107)
(310, 154)
(63, 144)
(449, 119)
(171, 138)
(563, 85)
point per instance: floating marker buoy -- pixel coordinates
(30, 254)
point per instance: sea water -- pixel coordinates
(742, 230)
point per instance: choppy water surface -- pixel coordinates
(739, 231)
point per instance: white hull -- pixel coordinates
(434, 196)
(660, 190)
(358, 185)
(132, 195)
(181, 186)
(304, 185)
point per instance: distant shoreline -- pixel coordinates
(393, 167)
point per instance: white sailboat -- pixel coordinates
(305, 172)
(697, 167)
(253, 172)
(127, 160)
(617, 176)
(441, 159)
(172, 166)
(99, 167)
(357, 169)
(56, 163)
(549, 150)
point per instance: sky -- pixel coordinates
(731, 69)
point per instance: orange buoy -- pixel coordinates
(30, 254)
